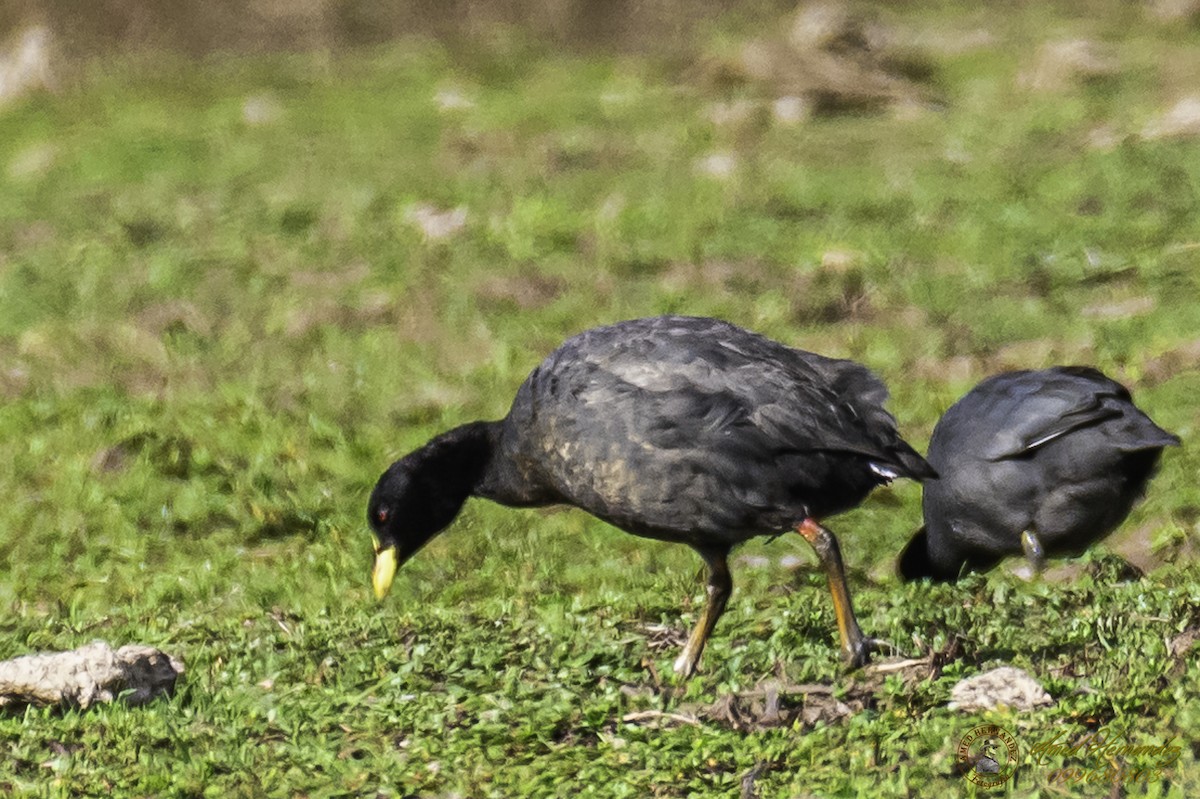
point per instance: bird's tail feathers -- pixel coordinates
(1142, 433)
(907, 462)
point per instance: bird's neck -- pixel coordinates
(474, 461)
(459, 458)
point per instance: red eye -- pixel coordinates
(382, 515)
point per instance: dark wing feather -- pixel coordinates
(797, 401)
(1031, 409)
(681, 427)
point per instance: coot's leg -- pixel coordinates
(856, 647)
(720, 585)
(1034, 552)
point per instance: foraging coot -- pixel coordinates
(1044, 463)
(681, 429)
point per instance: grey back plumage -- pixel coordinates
(685, 428)
(1061, 452)
(1026, 410)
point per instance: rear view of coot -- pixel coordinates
(676, 428)
(1045, 463)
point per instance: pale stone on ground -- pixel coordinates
(1006, 686)
(92, 673)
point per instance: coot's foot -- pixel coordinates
(859, 654)
(1035, 553)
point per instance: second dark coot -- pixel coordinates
(681, 429)
(1037, 462)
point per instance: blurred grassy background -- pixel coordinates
(248, 256)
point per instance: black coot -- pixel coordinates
(1045, 463)
(675, 428)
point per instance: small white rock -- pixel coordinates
(260, 109)
(25, 63)
(791, 110)
(1182, 120)
(32, 162)
(718, 165)
(452, 100)
(436, 224)
(1006, 686)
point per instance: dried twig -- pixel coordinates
(648, 715)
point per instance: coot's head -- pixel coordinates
(921, 560)
(409, 506)
(915, 563)
(399, 523)
(420, 494)
(940, 560)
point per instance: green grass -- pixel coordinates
(215, 335)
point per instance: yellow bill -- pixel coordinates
(384, 572)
